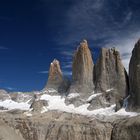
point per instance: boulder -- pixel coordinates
(38, 105)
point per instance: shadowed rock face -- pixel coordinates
(57, 126)
(56, 79)
(126, 129)
(82, 70)
(110, 73)
(134, 76)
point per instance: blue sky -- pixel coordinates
(34, 32)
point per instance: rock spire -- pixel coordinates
(82, 69)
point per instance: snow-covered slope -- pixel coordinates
(56, 102)
(10, 104)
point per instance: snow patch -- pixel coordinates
(10, 104)
(73, 95)
(108, 90)
(93, 96)
(58, 103)
(49, 90)
(44, 109)
(122, 112)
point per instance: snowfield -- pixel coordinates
(93, 96)
(58, 103)
(10, 104)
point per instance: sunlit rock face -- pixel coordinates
(56, 79)
(82, 70)
(134, 77)
(110, 72)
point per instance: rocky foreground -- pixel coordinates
(55, 125)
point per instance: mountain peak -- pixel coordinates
(82, 69)
(55, 77)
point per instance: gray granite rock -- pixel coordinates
(38, 105)
(82, 70)
(134, 78)
(56, 79)
(110, 74)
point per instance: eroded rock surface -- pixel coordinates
(110, 74)
(59, 126)
(37, 105)
(126, 129)
(54, 125)
(56, 80)
(134, 78)
(82, 70)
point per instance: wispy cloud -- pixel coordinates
(3, 48)
(10, 88)
(125, 45)
(105, 23)
(67, 64)
(96, 19)
(67, 73)
(67, 53)
(43, 72)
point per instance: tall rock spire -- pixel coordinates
(134, 77)
(82, 70)
(56, 79)
(110, 73)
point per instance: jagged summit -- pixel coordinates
(84, 44)
(82, 69)
(111, 74)
(55, 74)
(56, 79)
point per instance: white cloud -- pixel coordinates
(67, 73)
(43, 72)
(125, 45)
(106, 23)
(10, 88)
(67, 53)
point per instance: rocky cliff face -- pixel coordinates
(57, 126)
(134, 77)
(110, 72)
(56, 79)
(126, 129)
(82, 70)
(111, 77)
(65, 126)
